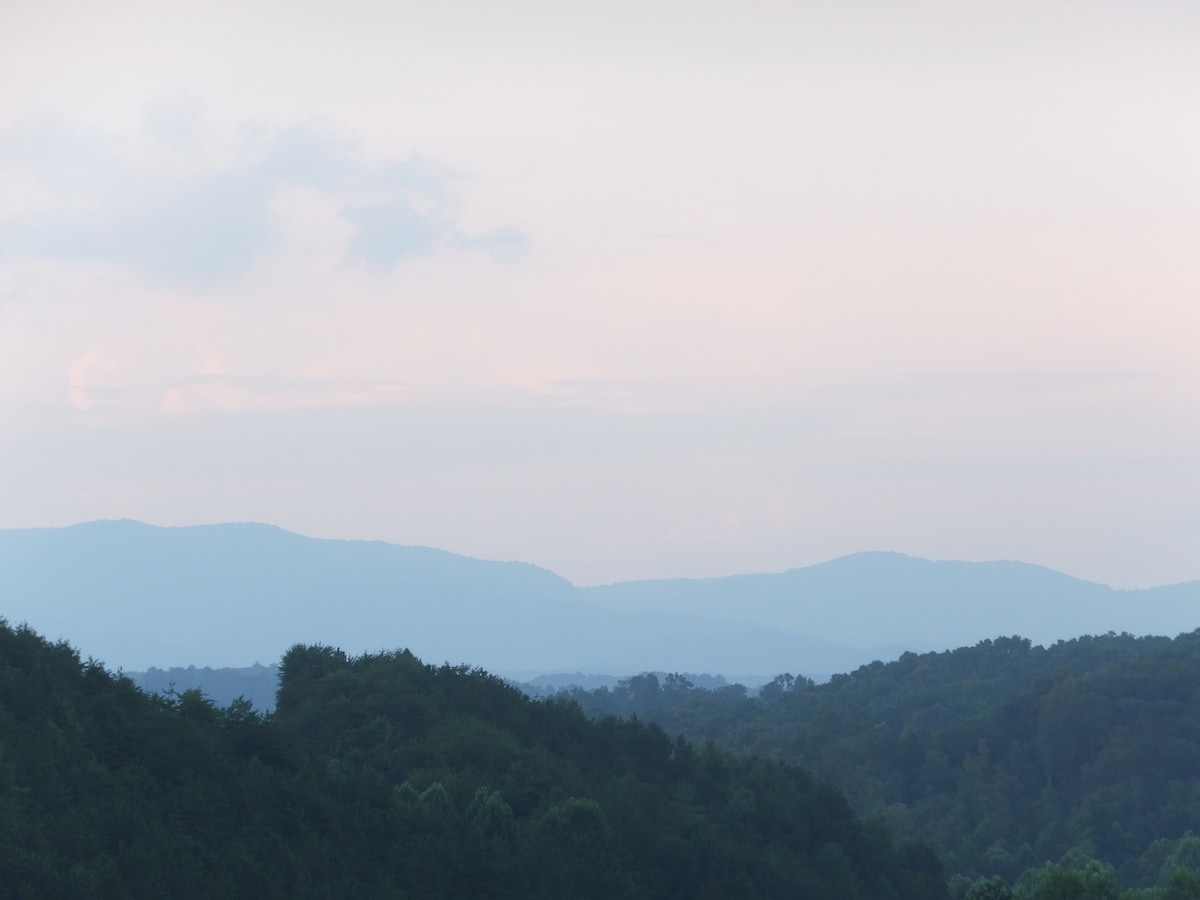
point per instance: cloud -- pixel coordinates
(175, 120)
(113, 378)
(211, 223)
(67, 158)
(503, 244)
(394, 230)
(194, 232)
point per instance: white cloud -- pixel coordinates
(212, 223)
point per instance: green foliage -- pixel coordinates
(382, 776)
(994, 888)
(1094, 881)
(1184, 884)
(999, 756)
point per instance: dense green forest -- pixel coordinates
(380, 776)
(1063, 773)
(1000, 756)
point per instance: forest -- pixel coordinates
(381, 776)
(1003, 770)
(1001, 756)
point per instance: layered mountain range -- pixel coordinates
(136, 596)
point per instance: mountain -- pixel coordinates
(138, 596)
(889, 600)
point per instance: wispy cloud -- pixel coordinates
(394, 229)
(212, 222)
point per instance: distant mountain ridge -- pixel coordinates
(919, 603)
(137, 596)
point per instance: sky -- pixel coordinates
(624, 290)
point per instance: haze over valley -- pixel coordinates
(136, 596)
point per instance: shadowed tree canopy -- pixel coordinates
(383, 776)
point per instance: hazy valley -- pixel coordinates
(236, 595)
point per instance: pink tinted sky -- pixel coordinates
(621, 291)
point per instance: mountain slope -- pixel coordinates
(138, 596)
(1000, 756)
(380, 776)
(881, 599)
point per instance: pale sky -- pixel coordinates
(621, 289)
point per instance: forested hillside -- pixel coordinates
(1001, 756)
(380, 776)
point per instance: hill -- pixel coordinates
(380, 776)
(1001, 756)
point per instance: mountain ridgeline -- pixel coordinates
(381, 776)
(232, 595)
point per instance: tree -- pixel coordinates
(994, 888)
(1094, 882)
